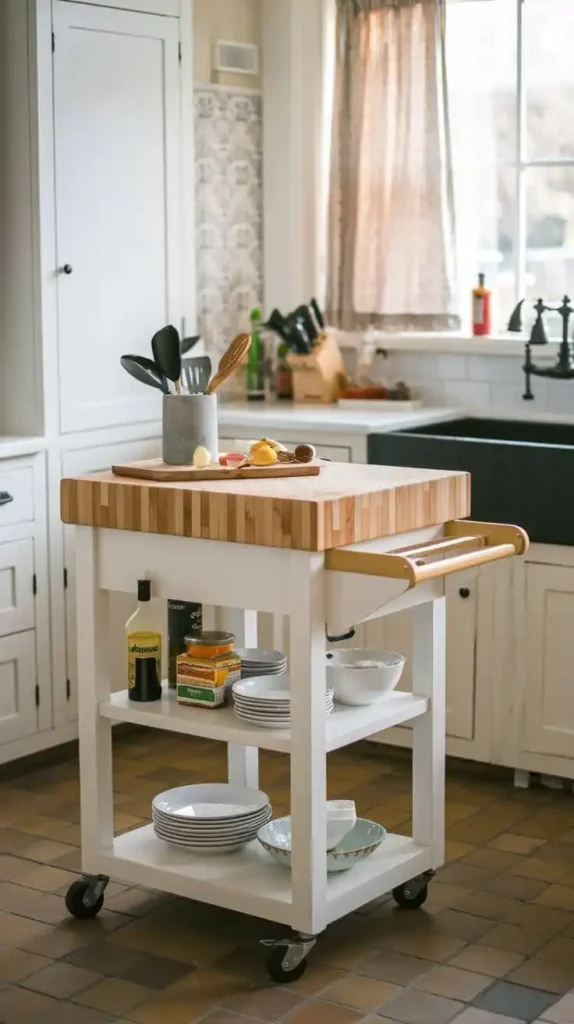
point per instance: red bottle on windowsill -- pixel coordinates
(481, 308)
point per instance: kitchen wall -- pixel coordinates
(229, 186)
(237, 21)
(229, 211)
(493, 384)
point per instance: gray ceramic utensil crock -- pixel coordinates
(189, 422)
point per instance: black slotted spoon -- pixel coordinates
(146, 371)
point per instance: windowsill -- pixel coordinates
(504, 344)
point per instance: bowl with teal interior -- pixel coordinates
(357, 845)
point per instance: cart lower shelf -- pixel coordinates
(249, 881)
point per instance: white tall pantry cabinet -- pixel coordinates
(97, 253)
(118, 203)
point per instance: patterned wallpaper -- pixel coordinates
(229, 211)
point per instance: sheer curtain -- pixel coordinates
(391, 223)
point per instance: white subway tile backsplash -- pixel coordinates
(559, 395)
(505, 398)
(473, 395)
(487, 384)
(450, 367)
(499, 369)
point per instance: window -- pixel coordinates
(510, 73)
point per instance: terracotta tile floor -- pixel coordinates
(493, 944)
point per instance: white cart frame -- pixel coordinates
(312, 589)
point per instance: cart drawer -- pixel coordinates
(16, 494)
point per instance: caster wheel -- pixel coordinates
(75, 898)
(403, 897)
(277, 971)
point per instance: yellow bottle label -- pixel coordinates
(144, 643)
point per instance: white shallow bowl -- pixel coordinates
(207, 801)
(360, 686)
(269, 688)
(222, 840)
(215, 828)
(359, 843)
(256, 657)
(269, 707)
(268, 722)
(207, 850)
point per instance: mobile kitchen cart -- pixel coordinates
(354, 543)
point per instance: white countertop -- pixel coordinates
(11, 446)
(261, 419)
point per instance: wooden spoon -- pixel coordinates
(229, 361)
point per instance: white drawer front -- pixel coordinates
(18, 710)
(16, 586)
(335, 452)
(18, 483)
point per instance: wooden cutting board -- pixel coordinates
(155, 469)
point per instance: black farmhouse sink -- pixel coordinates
(522, 472)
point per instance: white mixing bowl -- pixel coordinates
(355, 683)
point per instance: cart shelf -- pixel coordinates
(250, 882)
(345, 725)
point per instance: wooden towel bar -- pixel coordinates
(464, 545)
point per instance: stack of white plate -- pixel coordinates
(210, 818)
(266, 701)
(256, 662)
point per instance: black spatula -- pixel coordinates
(166, 348)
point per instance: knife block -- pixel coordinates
(319, 376)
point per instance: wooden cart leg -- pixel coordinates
(96, 782)
(308, 757)
(429, 626)
(242, 762)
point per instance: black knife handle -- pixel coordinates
(320, 318)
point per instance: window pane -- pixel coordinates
(481, 69)
(481, 73)
(549, 78)
(550, 232)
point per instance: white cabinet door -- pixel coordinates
(76, 463)
(16, 586)
(548, 701)
(167, 7)
(393, 633)
(18, 710)
(118, 204)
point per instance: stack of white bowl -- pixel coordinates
(266, 701)
(210, 818)
(257, 662)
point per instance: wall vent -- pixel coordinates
(236, 58)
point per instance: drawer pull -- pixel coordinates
(5, 498)
(464, 546)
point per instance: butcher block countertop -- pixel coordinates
(345, 504)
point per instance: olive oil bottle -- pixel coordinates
(143, 649)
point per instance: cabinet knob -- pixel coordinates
(464, 592)
(66, 269)
(5, 497)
